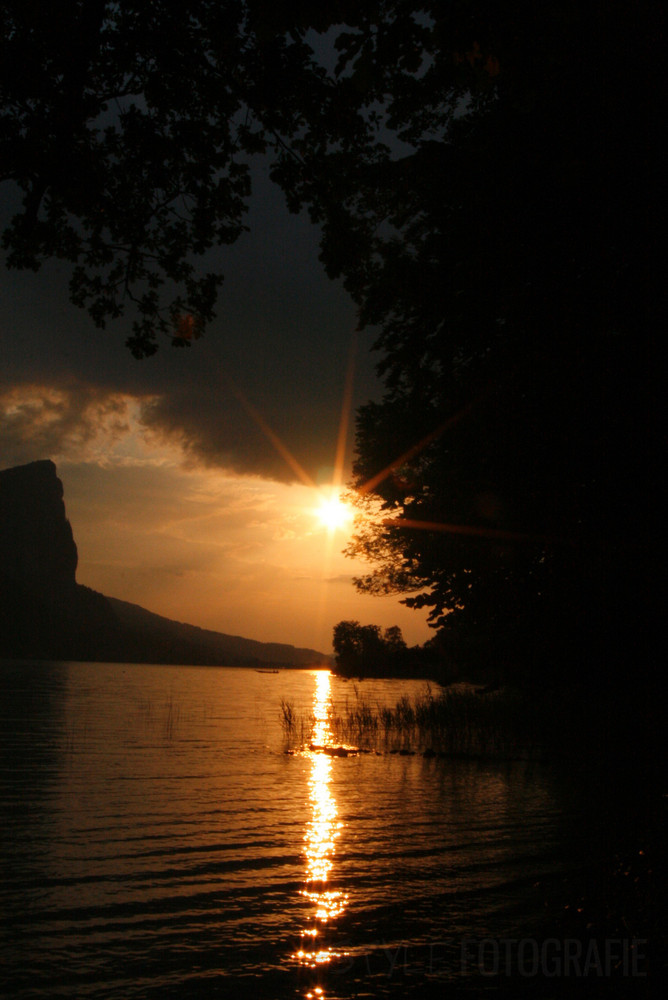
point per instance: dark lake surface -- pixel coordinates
(159, 842)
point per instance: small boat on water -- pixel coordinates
(266, 671)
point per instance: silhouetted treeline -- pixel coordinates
(370, 651)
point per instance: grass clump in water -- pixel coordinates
(454, 722)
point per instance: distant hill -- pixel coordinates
(152, 635)
(46, 614)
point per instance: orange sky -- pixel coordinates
(183, 474)
(239, 554)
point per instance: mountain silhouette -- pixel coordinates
(46, 614)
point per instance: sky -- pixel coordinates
(193, 479)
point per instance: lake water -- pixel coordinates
(159, 842)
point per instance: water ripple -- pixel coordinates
(157, 844)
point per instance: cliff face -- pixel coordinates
(44, 613)
(37, 548)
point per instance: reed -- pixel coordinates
(165, 716)
(454, 721)
(288, 716)
(171, 717)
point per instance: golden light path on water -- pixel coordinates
(320, 838)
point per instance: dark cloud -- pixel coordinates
(275, 358)
(219, 425)
(52, 418)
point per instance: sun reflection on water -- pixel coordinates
(320, 837)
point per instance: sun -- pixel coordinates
(333, 512)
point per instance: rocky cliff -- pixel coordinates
(37, 548)
(46, 614)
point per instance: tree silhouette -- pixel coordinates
(477, 171)
(491, 230)
(366, 650)
(129, 129)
